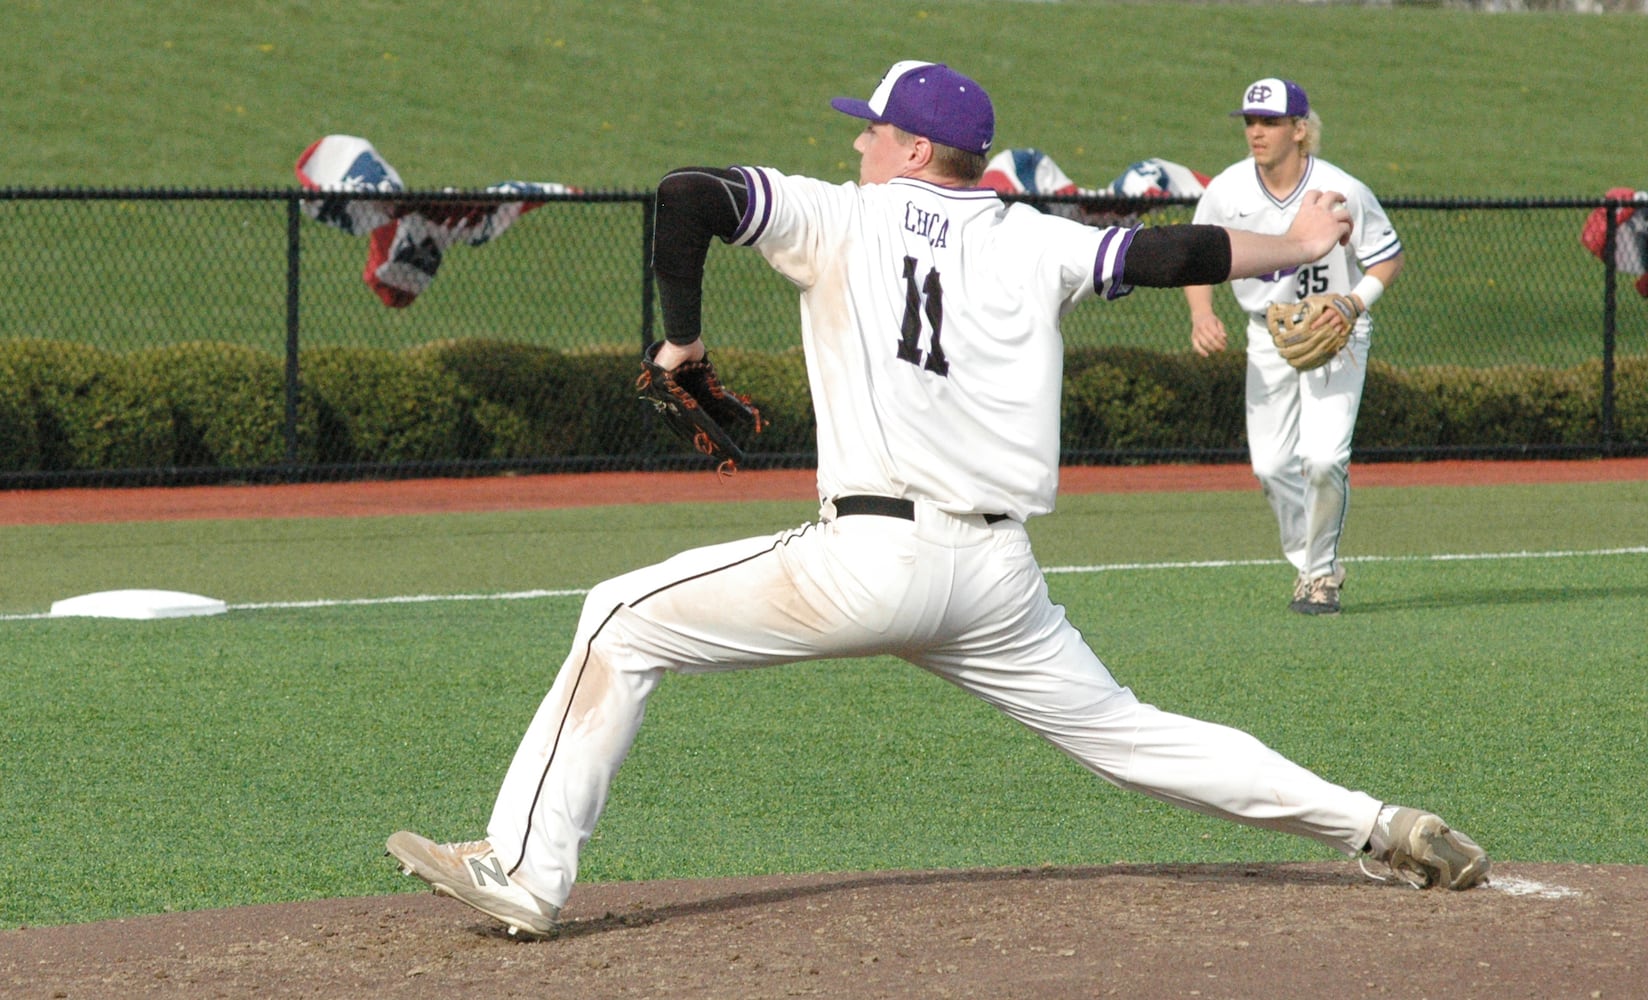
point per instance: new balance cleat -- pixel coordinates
(1318, 596)
(1424, 852)
(472, 874)
(1301, 589)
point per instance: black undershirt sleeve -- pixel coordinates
(694, 204)
(1175, 256)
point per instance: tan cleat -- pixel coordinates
(1424, 852)
(472, 874)
(1318, 596)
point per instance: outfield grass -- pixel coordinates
(191, 93)
(263, 755)
(182, 93)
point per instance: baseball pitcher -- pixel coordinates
(930, 323)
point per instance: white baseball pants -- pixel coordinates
(950, 594)
(1299, 427)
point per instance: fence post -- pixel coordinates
(647, 214)
(293, 272)
(1610, 285)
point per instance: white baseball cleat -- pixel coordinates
(1423, 851)
(472, 874)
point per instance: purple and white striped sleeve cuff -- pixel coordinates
(1110, 262)
(758, 212)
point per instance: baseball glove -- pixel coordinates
(1302, 344)
(693, 403)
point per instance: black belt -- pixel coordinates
(887, 507)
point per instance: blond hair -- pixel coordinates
(1311, 144)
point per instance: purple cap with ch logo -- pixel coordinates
(930, 100)
(1273, 97)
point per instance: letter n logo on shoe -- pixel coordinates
(480, 869)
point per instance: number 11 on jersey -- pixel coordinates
(928, 300)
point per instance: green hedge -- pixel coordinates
(374, 405)
(1127, 398)
(19, 437)
(227, 402)
(68, 406)
(89, 409)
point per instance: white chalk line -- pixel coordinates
(1528, 887)
(1635, 550)
(515, 595)
(521, 595)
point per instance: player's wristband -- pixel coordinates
(1368, 291)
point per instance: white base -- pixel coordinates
(137, 604)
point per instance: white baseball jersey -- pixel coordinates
(1238, 199)
(930, 318)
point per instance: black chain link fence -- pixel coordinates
(1489, 284)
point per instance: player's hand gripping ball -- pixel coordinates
(1299, 340)
(693, 403)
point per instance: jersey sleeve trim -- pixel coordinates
(1385, 251)
(1110, 262)
(758, 213)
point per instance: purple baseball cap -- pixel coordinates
(1274, 97)
(930, 100)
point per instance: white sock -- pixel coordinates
(1379, 844)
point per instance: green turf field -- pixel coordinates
(264, 755)
(1417, 100)
(1488, 666)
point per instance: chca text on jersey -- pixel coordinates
(930, 226)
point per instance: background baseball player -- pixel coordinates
(1299, 423)
(930, 315)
